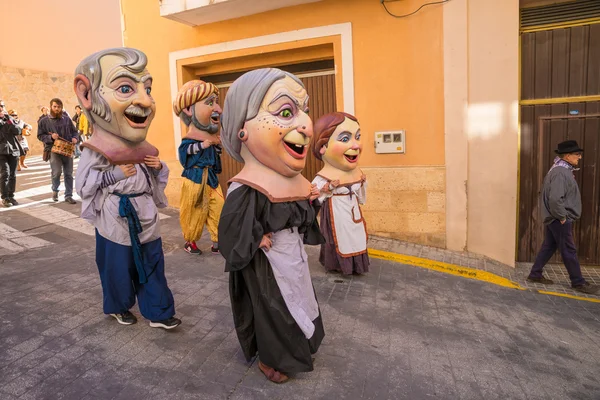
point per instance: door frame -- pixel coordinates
(540, 123)
(340, 35)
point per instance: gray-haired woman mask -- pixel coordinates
(267, 111)
(268, 216)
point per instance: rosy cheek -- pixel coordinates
(339, 147)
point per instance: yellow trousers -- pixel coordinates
(200, 205)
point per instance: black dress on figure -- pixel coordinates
(262, 319)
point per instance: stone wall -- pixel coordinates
(27, 91)
(407, 203)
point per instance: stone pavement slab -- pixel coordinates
(398, 332)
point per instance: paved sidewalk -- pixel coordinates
(399, 332)
(556, 272)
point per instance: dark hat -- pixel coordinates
(568, 146)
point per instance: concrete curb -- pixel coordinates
(465, 272)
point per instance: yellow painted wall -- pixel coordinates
(398, 84)
(398, 70)
(50, 35)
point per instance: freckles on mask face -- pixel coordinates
(344, 146)
(279, 135)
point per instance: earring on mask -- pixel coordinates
(242, 134)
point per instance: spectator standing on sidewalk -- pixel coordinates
(57, 126)
(561, 207)
(26, 131)
(76, 119)
(84, 128)
(10, 151)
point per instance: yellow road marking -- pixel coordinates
(465, 272)
(569, 296)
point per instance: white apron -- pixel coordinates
(347, 222)
(289, 263)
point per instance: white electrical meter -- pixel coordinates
(390, 142)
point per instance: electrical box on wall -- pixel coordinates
(390, 142)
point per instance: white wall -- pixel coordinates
(481, 89)
(492, 127)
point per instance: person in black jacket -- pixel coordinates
(10, 151)
(57, 126)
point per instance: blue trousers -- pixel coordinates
(120, 283)
(559, 236)
(59, 164)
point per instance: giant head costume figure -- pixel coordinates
(266, 126)
(197, 104)
(337, 143)
(114, 90)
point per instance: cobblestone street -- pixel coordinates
(399, 332)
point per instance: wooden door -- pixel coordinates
(559, 67)
(543, 127)
(321, 92)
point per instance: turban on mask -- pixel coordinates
(191, 93)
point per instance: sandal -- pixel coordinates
(271, 374)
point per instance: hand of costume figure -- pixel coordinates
(314, 192)
(266, 242)
(153, 162)
(128, 169)
(207, 143)
(334, 184)
(74, 140)
(55, 136)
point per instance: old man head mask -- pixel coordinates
(197, 104)
(114, 89)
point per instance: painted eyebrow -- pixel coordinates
(305, 105)
(135, 78)
(211, 97)
(286, 95)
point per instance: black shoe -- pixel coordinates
(127, 318)
(55, 196)
(13, 201)
(586, 288)
(70, 200)
(214, 250)
(6, 203)
(166, 323)
(542, 280)
(191, 248)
